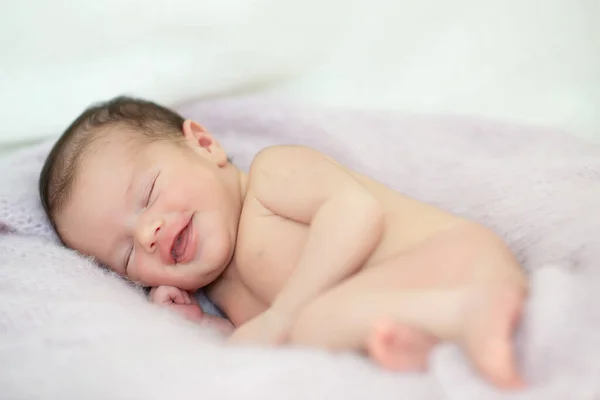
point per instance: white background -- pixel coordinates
(529, 61)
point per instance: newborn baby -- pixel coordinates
(300, 250)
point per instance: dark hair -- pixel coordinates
(58, 174)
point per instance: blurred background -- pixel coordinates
(523, 61)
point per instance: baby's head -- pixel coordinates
(145, 192)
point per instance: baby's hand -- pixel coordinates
(178, 299)
(266, 329)
(182, 302)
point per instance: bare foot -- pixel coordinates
(400, 347)
(488, 334)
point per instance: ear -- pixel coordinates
(204, 143)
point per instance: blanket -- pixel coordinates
(69, 329)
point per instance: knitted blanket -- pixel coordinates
(69, 329)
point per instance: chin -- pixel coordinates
(218, 260)
(199, 281)
(221, 252)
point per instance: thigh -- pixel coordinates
(401, 286)
(342, 317)
(424, 285)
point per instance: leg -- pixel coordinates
(486, 317)
(492, 317)
(399, 329)
(396, 329)
(461, 285)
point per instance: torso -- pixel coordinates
(268, 248)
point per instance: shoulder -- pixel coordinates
(293, 165)
(296, 180)
(279, 169)
(293, 181)
(297, 162)
(276, 158)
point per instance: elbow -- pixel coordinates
(369, 211)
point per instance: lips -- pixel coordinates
(182, 248)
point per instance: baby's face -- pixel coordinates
(156, 213)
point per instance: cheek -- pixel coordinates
(175, 196)
(197, 194)
(194, 191)
(145, 270)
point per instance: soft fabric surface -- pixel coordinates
(71, 330)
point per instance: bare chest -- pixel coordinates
(268, 250)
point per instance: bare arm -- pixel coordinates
(346, 221)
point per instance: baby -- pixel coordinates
(300, 250)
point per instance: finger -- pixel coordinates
(154, 294)
(186, 297)
(162, 294)
(177, 296)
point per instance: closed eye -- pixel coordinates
(127, 258)
(150, 191)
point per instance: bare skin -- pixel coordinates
(428, 276)
(185, 304)
(303, 251)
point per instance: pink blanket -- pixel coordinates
(71, 330)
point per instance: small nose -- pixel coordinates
(147, 234)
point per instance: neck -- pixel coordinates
(237, 181)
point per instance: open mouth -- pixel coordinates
(181, 243)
